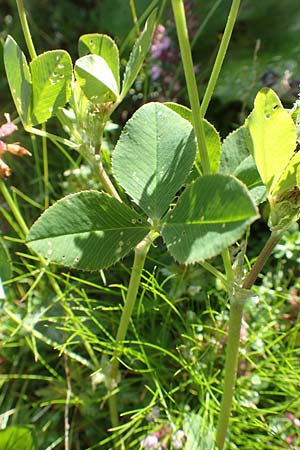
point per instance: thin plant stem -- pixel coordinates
(140, 254)
(107, 183)
(134, 17)
(25, 28)
(52, 137)
(220, 56)
(186, 56)
(237, 302)
(13, 208)
(45, 169)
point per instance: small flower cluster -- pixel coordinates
(165, 57)
(165, 60)
(293, 439)
(5, 130)
(163, 438)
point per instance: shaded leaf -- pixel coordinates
(89, 230)
(138, 54)
(212, 137)
(211, 214)
(19, 79)
(96, 79)
(154, 156)
(104, 46)
(51, 80)
(236, 160)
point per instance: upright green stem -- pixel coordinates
(13, 208)
(237, 302)
(220, 56)
(140, 253)
(25, 28)
(186, 56)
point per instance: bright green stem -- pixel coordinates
(13, 208)
(220, 56)
(237, 302)
(186, 56)
(25, 28)
(45, 169)
(140, 253)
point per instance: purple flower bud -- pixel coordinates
(150, 441)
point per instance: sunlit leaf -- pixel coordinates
(104, 46)
(17, 438)
(211, 214)
(154, 156)
(51, 75)
(273, 136)
(89, 230)
(96, 79)
(19, 79)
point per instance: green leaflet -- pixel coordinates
(89, 230)
(153, 157)
(236, 160)
(40, 89)
(96, 79)
(212, 137)
(273, 135)
(211, 214)
(104, 46)
(17, 438)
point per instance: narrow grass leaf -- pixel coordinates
(19, 79)
(51, 75)
(89, 230)
(211, 214)
(154, 156)
(5, 262)
(138, 54)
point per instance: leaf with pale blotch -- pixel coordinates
(51, 74)
(211, 214)
(104, 46)
(19, 79)
(89, 230)
(96, 79)
(273, 138)
(138, 54)
(212, 137)
(154, 156)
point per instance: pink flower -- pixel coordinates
(5, 130)
(150, 441)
